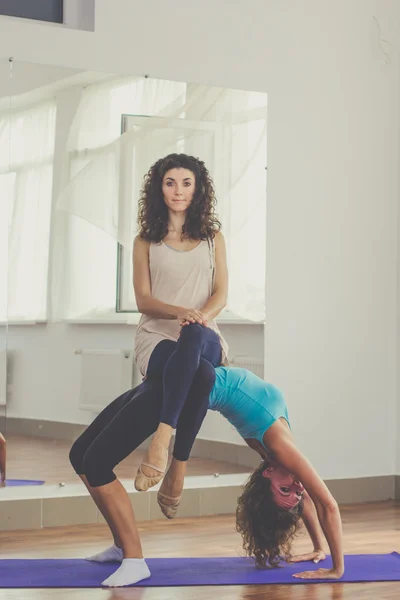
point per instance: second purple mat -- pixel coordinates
(21, 482)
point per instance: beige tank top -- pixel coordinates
(180, 278)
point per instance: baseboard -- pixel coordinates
(397, 487)
(54, 506)
(364, 489)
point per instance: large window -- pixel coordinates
(95, 163)
(26, 177)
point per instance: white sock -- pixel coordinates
(111, 554)
(131, 571)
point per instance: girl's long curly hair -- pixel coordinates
(267, 531)
(201, 221)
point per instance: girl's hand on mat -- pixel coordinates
(316, 556)
(320, 574)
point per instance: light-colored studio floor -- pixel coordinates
(371, 528)
(47, 459)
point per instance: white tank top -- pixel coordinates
(179, 278)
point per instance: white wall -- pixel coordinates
(331, 274)
(332, 236)
(3, 340)
(332, 187)
(19, 78)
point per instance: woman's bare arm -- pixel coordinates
(279, 440)
(311, 521)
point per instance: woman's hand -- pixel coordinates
(316, 556)
(320, 574)
(2, 460)
(186, 316)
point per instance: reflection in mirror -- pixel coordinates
(80, 144)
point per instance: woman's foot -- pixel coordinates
(154, 465)
(168, 505)
(170, 493)
(111, 554)
(132, 570)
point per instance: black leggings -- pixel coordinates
(176, 363)
(130, 419)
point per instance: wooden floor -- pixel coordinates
(47, 459)
(373, 528)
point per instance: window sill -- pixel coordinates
(134, 320)
(239, 322)
(121, 319)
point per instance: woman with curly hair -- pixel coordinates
(281, 492)
(180, 284)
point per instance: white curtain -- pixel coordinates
(85, 270)
(26, 175)
(226, 128)
(246, 214)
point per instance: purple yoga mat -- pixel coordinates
(172, 572)
(20, 482)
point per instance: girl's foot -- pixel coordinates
(154, 465)
(132, 570)
(111, 554)
(170, 493)
(168, 505)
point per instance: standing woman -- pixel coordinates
(181, 285)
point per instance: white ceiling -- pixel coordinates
(23, 82)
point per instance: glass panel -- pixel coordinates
(6, 188)
(70, 180)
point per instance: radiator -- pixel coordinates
(104, 375)
(3, 377)
(251, 364)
